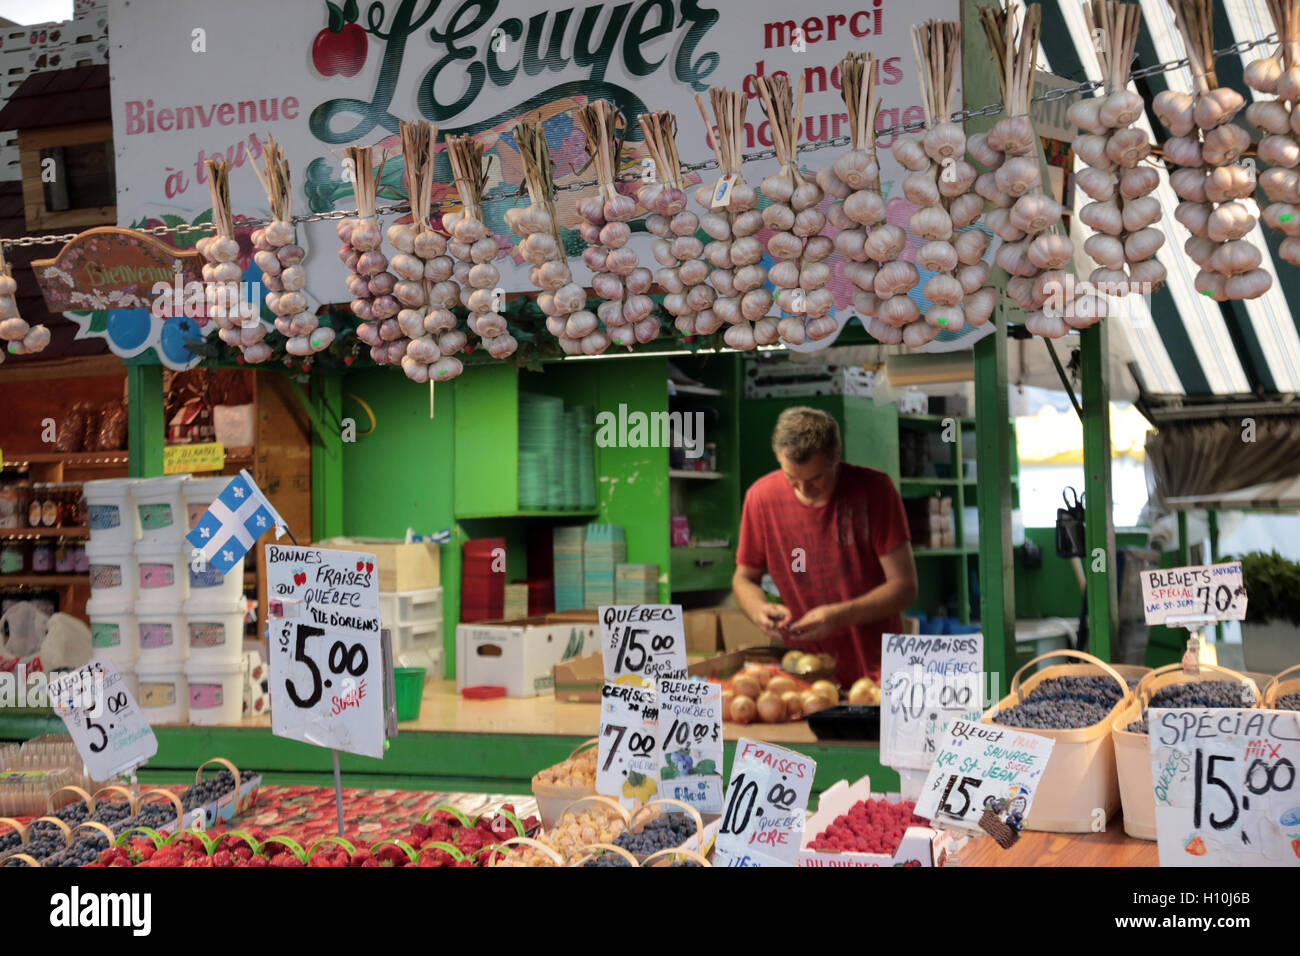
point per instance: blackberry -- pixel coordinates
(662, 833)
(1063, 703)
(1288, 702)
(1208, 693)
(607, 859)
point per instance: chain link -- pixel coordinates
(992, 109)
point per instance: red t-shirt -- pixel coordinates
(829, 554)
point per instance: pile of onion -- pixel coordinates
(562, 300)
(940, 181)
(678, 251)
(423, 287)
(280, 259)
(1123, 214)
(237, 321)
(1279, 119)
(473, 247)
(627, 311)
(369, 280)
(1206, 145)
(21, 338)
(796, 243)
(731, 222)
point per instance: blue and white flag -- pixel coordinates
(233, 523)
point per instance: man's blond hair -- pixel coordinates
(802, 432)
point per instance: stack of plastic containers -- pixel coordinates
(162, 565)
(214, 616)
(114, 531)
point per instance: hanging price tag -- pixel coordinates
(327, 680)
(690, 743)
(929, 681)
(722, 192)
(627, 759)
(645, 640)
(1225, 785)
(107, 726)
(767, 796)
(1214, 592)
(982, 768)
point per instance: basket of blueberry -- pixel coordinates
(1168, 686)
(1284, 694)
(1074, 704)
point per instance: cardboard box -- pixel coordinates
(402, 567)
(519, 655)
(739, 632)
(702, 634)
(579, 681)
(920, 846)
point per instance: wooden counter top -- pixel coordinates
(1112, 847)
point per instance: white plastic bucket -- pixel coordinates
(215, 632)
(160, 504)
(112, 580)
(114, 522)
(164, 641)
(216, 691)
(212, 587)
(114, 635)
(163, 695)
(131, 682)
(162, 576)
(199, 493)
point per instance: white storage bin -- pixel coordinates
(215, 632)
(114, 635)
(216, 691)
(163, 576)
(114, 522)
(212, 587)
(161, 508)
(131, 682)
(164, 694)
(199, 493)
(404, 607)
(425, 636)
(164, 641)
(428, 658)
(112, 579)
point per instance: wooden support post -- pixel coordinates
(1099, 528)
(1184, 543)
(326, 457)
(146, 421)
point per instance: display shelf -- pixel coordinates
(702, 391)
(78, 532)
(537, 513)
(44, 580)
(77, 459)
(940, 552)
(703, 475)
(916, 482)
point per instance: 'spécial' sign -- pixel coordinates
(929, 681)
(1212, 592)
(627, 767)
(107, 726)
(325, 652)
(767, 796)
(645, 640)
(690, 742)
(1225, 786)
(979, 767)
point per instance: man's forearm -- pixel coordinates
(749, 594)
(880, 602)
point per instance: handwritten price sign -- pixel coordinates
(326, 657)
(107, 726)
(1225, 786)
(1212, 592)
(767, 796)
(979, 764)
(644, 640)
(690, 742)
(627, 759)
(929, 681)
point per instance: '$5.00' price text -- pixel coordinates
(343, 659)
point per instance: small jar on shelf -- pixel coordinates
(42, 556)
(13, 556)
(36, 506)
(65, 556)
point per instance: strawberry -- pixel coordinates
(242, 852)
(222, 858)
(362, 857)
(420, 831)
(258, 861)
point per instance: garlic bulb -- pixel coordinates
(473, 247)
(20, 338)
(1280, 121)
(238, 321)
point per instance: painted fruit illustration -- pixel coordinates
(1195, 846)
(341, 52)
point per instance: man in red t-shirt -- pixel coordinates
(834, 537)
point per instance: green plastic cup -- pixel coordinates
(408, 682)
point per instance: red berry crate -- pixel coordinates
(919, 846)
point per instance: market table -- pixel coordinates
(1111, 847)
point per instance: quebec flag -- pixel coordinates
(233, 523)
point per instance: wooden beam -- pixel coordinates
(70, 367)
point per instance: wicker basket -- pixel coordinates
(995, 827)
(552, 799)
(1281, 685)
(1080, 776)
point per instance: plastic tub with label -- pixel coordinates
(163, 576)
(164, 693)
(212, 587)
(199, 493)
(164, 640)
(112, 579)
(114, 522)
(160, 504)
(216, 691)
(216, 631)
(114, 635)
(131, 682)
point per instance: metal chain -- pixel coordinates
(992, 109)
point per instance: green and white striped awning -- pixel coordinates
(1185, 344)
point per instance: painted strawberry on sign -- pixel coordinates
(340, 49)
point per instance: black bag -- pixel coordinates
(1069, 526)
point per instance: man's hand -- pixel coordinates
(774, 619)
(821, 622)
